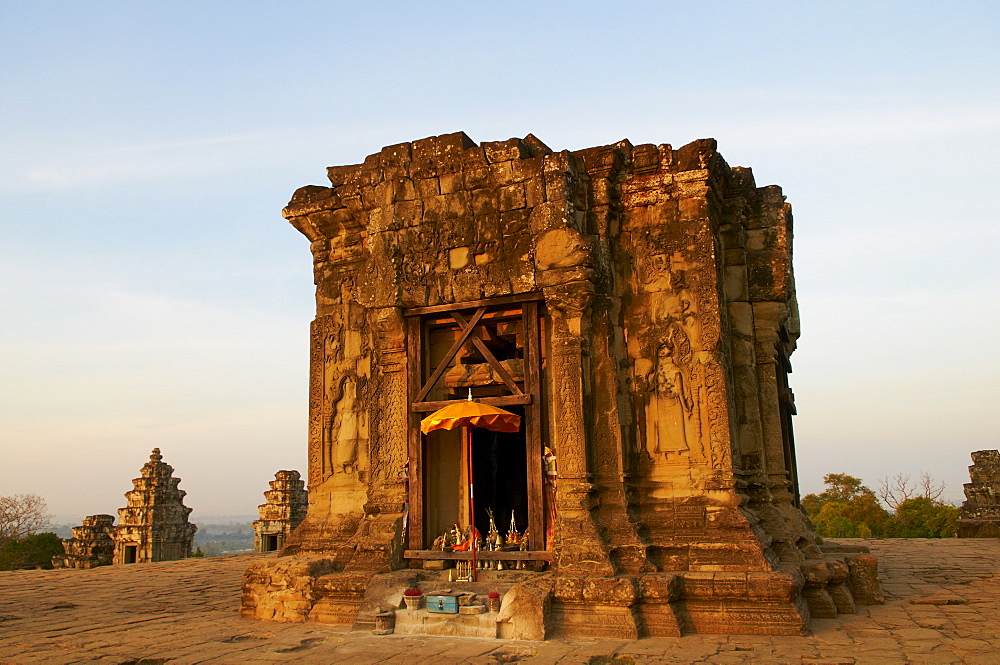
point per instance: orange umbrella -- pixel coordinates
(467, 415)
(472, 414)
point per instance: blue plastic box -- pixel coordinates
(445, 603)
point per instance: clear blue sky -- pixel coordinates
(151, 294)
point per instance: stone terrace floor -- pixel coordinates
(942, 606)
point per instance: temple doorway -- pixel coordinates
(492, 351)
(500, 480)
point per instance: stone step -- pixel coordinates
(422, 622)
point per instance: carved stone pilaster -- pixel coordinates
(379, 540)
(579, 545)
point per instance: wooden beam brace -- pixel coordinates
(490, 358)
(448, 357)
(488, 302)
(504, 400)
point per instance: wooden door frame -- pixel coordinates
(530, 397)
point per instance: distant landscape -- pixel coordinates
(216, 535)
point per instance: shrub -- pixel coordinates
(31, 552)
(921, 517)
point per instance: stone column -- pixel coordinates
(579, 546)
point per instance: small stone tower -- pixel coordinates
(980, 514)
(287, 501)
(90, 546)
(154, 525)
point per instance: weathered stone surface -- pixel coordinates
(980, 513)
(154, 525)
(283, 590)
(286, 505)
(659, 284)
(943, 606)
(90, 546)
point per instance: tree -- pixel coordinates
(896, 490)
(32, 551)
(846, 509)
(922, 517)
(21, 515)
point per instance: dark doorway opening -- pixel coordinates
(786, 409)
(131, 553)
(499, 462)
(271, 543)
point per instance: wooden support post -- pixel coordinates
(414, 439)
(533, 426)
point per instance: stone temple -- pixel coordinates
(154, 525)
(90, 546)
(635, 304)
(284, 509)
(979, 516)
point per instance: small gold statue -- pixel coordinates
(513, 537)
(494, 541)
(523, 546)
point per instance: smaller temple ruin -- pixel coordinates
(154, 525)
(285, 508)
(980, 514)
(90, 546)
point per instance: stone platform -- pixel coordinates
(422, 622)
(942, 606)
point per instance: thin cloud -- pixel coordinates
(56, 167)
